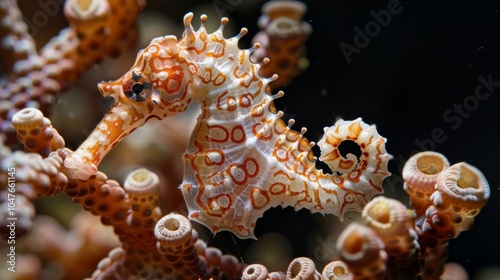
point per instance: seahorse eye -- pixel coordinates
(136, 87)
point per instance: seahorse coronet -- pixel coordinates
(242, 158)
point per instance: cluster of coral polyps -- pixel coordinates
(392, 241)
(33, 76)
(153, 246)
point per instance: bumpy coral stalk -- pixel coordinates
(167, 250)
(103, 28)
(32, 173)
(142, 187)
(111, 266)
(174, 234)
(23, 177)
(217, 264)
(420, 173)
(16, 43)
(175, 240)
(434, 261)
(36, 132)
(395, 225)
(463, 187)
(132, 211)
(132, 222)
(461, 192)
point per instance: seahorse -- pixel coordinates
(242, 158)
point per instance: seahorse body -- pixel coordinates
(242, 159)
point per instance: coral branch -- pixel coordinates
(34, 177)
(98, 29)
(16, 43)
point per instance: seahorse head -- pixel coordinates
(166, 77)
(157, 85)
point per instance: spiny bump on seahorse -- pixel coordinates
(242, 159)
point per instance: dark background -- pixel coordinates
(423, 63)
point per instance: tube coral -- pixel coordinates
(420, 173)
(302, 268)
(255, 272)
(36, 132)
(283, 38)
(363, 251)
(336, 270)
(394, 223)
